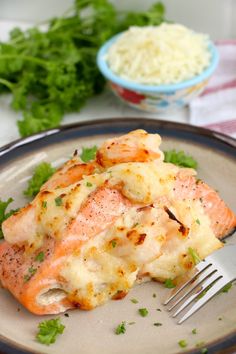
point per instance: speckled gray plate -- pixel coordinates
(93, 332)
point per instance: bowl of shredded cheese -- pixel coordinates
(158, 68)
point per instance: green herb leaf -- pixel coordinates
(200, 344)
(134, 301)
(113, 243)
(31, 272)
(169, 284)
(198, 222)
(194, 331)
(157, 324)
(41, 174)
(40, 257)
(182, 343)
(203, 293)
(226, 288)
(131, 323)
(120, 329)
(58, 201)
(44, 204)
(89, 184)
(194, 255)
(179, 158)
(204, 351)
(49, 330)
(143, 312)
(4, 214)
(88, 153)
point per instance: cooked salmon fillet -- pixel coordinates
(96, 229)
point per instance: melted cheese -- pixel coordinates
(144, 182)
(176, 258)
(140, 182)
(143, 242)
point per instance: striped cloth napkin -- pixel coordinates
(215, 108)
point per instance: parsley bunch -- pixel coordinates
(54, 72)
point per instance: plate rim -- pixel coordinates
(17, 143)
(223, 343)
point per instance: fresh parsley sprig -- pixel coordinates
(88, 154)
(41, 174)
(180, 158)
(4, 214)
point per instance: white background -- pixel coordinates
(216, 17)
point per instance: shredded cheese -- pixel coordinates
(165, 54)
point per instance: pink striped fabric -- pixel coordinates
(227, 127)
(215, 108)
(218, 88)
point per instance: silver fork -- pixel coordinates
(211, 275)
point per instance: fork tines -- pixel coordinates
(197, 291)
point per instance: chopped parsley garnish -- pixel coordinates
(154, 295)
(89, 184)
(49, 330)
(194, 331)
(220, 319)
(179, 158)
(198, 221)
(143, 312)
(134, 301)
(182, 343)
(157, 324)
(5, 215)
(41, 174)
(131, 323)
(113, 243)
(203, 293)
(40, 257)
(158, 310)
(194, 255)
(204, 351)
(31, 272)
(44, 204)
(58, 201)
(88, 153)
(120, 329)
(200, 344)
(27, 277)
(226, 288)
(169, 284)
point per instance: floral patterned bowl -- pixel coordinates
(155, 98)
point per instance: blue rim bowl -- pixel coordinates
(111, 76)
